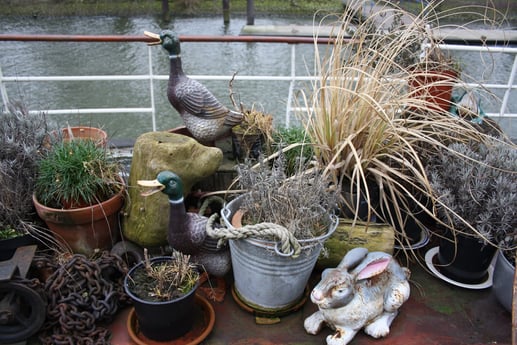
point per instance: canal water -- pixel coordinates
(222, 59)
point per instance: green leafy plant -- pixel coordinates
(8, 233)
(76, 173)
(296, 145)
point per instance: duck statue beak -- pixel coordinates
(154, 186)
(155, 36)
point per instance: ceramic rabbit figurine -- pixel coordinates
(364, 290)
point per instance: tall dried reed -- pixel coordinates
(368, 128)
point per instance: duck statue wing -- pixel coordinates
(197, 100)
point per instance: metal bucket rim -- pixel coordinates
(268, 244)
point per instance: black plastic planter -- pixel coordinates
(162, 321)
(465, 259)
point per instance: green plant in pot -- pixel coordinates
(277, 227)
(476, 197)
(295, 145)
(79, 194)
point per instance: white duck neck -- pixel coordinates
(176, 201)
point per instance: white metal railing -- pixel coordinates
(511, 78)
(292, 78)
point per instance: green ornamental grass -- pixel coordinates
(76, 173)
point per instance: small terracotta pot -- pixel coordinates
(99, 136)
(435, 87)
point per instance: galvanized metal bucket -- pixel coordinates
(265, 279)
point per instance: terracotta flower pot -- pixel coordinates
(84, 229)
(434, 87)
(99, 136)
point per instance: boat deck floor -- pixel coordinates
(437, 313)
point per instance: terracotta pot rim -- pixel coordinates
(118, 198)
(100, 137)
(119, 195)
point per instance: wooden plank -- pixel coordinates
(286, 30)
(459, 34)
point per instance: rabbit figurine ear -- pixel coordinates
(373, 268)
(353, 258)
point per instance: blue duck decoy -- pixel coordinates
(187, 231)
(204, 116)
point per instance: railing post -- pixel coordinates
(291, 86)
(3, 91)
(151, 87)
(510, 84)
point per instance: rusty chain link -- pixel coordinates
(81, 293)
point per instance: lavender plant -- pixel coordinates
(22, 140)
(300, 202)
(476, 190)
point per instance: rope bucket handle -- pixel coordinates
(289, 245)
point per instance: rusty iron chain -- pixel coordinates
(81, 293)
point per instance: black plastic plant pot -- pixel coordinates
(9, 246)
(465, 259)
(162, 321)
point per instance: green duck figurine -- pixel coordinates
(204, 116)
(187, 231)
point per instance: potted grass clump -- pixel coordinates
(163, 293)
(276, 229)
(295, 145)
(476, 197)
(370, 134)
(79, 193)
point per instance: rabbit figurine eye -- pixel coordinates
(341, 291)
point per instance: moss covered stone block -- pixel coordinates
(373, 236)
(146, 219)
